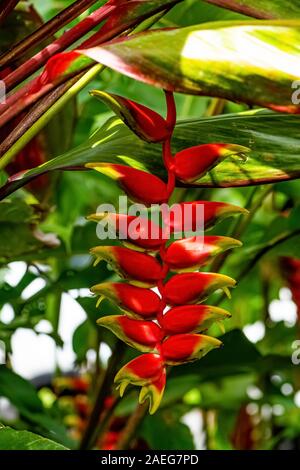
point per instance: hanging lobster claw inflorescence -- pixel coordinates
(168, 328)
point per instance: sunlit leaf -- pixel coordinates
(250, 62)
(24, 440)
(273, 138)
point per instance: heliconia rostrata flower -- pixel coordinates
(167, 324)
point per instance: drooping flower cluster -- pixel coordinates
(166, 324)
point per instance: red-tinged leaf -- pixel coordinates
(179, 349)
(136, 231)
(139, 268)
(273, 159)
(126, 15)
(142, 370)
(134, 301)
(64, 63)
(153, 392)
(199, 215)
(191, 253)
(191, 288)
(141, 335)
(264, 9)
(134, 12)
(140, 186)
(222, 59)
(192, 163)
(143, 121)
(191, 318)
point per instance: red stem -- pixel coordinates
(168, 162)
(171, 183)
(68, 38)
(171, 113)
(7, 9)
(167, 151)
(8, 111)
(45, 31)
(167, 154)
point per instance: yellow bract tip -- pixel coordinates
(101, 298)
(227, 292)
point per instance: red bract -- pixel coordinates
(135, 301)
(191, 253)
(191, 288)
(138, 185)
(150, 125)
(192, 163)
(138, 268)
(137, 231)
(145, 122)
(142, 335)
(197, 215)
(191, 318)
(188, 347)
(154, 392)
(55, 68)
(172, 337)
(147, 371)
(141, 370)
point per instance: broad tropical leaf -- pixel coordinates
(250, 62)
(274, 156)
(24, 440)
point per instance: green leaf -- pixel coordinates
(22, 394)
(251, 62)
(262, 8)
(273, 138)
(3, 178)
(238, 356)
(16, 211)
(279, 340)
(226, 393)
(84, 338)
(17, 240)
(19, 233)
(164, 431)
(216, 365)
(19, 391)
(24, 440)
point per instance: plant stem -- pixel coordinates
(49, 114)
(104, 424)
(242, 223)
(23, 97)
(103, 392)
(132, 426)
(7, 9)
(68, 38)
(269, 246)
(45, 31)
(35, 113)
(215, 107)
